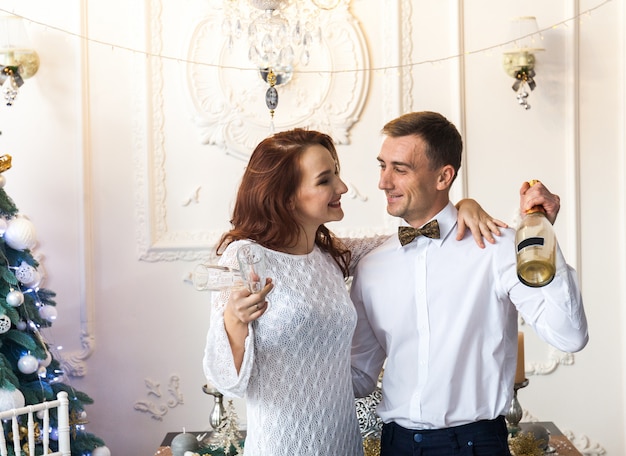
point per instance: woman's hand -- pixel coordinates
(242, 308)
(472, 216)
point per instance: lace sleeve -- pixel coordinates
(218, 364)
(361, 246)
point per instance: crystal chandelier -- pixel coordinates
(280, 34)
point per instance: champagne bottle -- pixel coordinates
(536, 248)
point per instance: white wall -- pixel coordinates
(107, 148)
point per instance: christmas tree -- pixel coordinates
(29, 373)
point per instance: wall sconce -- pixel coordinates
(519, 61)
(280, 35)
(18, 60)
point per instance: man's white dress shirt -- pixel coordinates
(443, 313)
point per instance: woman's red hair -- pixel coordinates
(263, 205)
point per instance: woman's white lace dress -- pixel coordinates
(295, 374)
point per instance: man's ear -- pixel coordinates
(446, 177)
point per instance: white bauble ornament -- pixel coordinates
(48, 313)
(15, 298)
(46, 362)
(28, 364)
(26, 273)
(20, 234)
(21, 325)
(11, 399)
(3, 225)
(101, 451)
(5, 324)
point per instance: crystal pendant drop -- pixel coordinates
(271, 95)
(9, 90)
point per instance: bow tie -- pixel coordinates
(408, 233)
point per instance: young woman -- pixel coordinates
(286, 349)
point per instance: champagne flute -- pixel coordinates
(210, 277)
(252, 266)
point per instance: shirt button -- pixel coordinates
(417, 438)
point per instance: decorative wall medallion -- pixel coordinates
(157, 410)
(229, 95)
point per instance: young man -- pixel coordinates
(443, 313)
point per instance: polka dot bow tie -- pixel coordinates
(407, 233)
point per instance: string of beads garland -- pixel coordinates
(406, 65)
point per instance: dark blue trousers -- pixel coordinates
(482, 438)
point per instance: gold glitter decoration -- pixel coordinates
(5, 162)
(76, 420)
(524, 444)
(371, 446)
(24, 432)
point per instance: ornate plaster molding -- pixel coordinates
(555, 358)
(406, 38)
(73, 363)
(230, 113)
(585, 445)
(159, 407)
(397, 46)
(229, 96)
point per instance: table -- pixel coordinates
(165, 450)
(558, 441)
